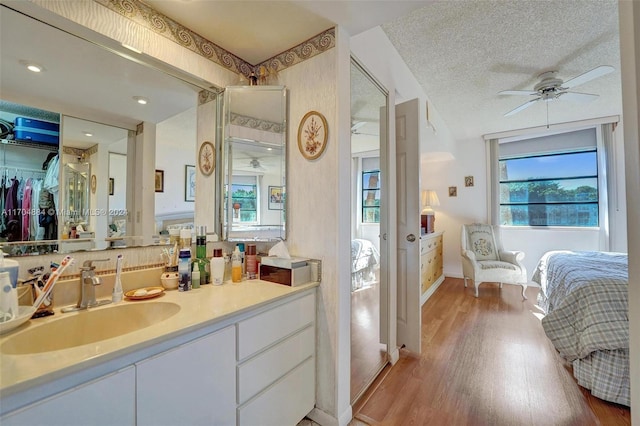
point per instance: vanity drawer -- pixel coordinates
(262, 330)
(284, 403)
(266, 368)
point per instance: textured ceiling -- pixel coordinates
(461, 52)
(464, 52)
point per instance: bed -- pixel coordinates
(365, 259)
(585, 299)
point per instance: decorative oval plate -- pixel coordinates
(148, 293)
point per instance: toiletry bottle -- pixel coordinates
(184, 270)
(195, 276)
(217, 267)
(201, 242)
(236, 266)
(251, 261)
(242, 259)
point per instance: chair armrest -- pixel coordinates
(469, 255)
(514, 257)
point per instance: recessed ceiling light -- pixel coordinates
(32, 66)
(88, 134)
(141, 100)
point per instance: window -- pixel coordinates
(559, 189)
(244, 199)
(371, 196)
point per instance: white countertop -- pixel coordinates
(199, 308)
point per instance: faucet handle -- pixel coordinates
(88, 264)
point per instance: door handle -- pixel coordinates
(384, 236)
(411, 238)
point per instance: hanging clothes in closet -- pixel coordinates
(19, 199)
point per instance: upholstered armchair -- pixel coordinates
(485, 260)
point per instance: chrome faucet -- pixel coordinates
(88, 281)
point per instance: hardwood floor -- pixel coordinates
(485, 361)
(368, 355)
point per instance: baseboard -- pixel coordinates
(325, 419)
(427, 294)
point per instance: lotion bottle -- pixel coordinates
(217, 267)
(236, 266)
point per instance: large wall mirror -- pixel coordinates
(96, 93)
(254, 198)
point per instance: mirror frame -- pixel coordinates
(226, 171)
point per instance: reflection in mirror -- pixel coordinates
(176, 140)
(255, 138)
(29, 187)
(369, 281)
(101, 90)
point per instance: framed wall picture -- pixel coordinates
(453, 191)
(159, 180)
(189, 183)
(468, 181)
(207, 158)
(276, 198)
(312, 135)
(111, 185)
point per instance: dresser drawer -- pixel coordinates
(262, 330)
(266, 368)
(284, 403)
(429, 243)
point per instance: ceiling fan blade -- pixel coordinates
(517, 92)
(577, 97)
(357, 124)
(588, 76)
(521, 107)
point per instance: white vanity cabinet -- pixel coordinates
(276, 364)
(192, 384)
(253, 366)
(108, 400)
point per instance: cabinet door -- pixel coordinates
(109, 400)
(193, 384)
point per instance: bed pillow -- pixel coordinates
(481, 241)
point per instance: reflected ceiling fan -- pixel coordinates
(255, 163)
(551, 88)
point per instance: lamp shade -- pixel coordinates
(429, 200)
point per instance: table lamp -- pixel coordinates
(428, 216)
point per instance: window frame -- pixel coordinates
(556, 153)
(363, 197)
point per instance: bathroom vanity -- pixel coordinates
(230, 355)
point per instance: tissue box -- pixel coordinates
(281, 262)
(287, 276)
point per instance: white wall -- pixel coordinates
(630, 65)
(471, 205)
(175, 148)
(312, 220)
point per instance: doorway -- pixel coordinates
(369, 183)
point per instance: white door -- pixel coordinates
(408, 217)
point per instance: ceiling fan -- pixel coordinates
(255, 163)
(551, 88)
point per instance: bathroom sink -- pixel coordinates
(88, 326)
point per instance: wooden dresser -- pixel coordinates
(431, 273)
